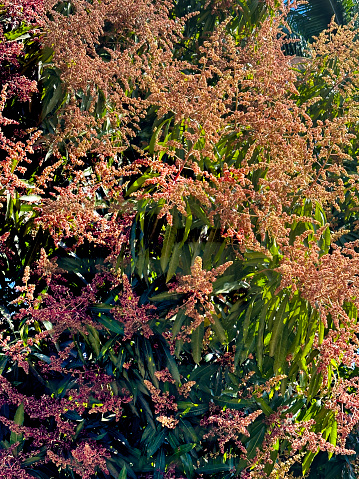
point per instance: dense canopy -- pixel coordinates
(178, 242)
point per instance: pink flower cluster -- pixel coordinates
(197, 289)
(228, 425)
(134, 317)
(165, 407)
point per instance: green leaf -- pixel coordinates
(112, 469)
(218, 329)
(111, 324)
(183, 449)
(197, 343)
(107, 347)
(160, 465)
(156, 443)
(17, 34)
(247, 320)
(213, 468)
(26, 207)
(334, 470)
(195, 410)
(188, 431)
(278, 326)
(307, 462)
(123, 473)
(187, 224)
(187, 461)
(94, 339)
(43, 357)
(156, 134)
(30, 198)
(281, 351)
(31, 460)
(52, 99)
(326, 241)
(260, 336)
(178, 321)
(79, 428)
(199, 212)
(19, 420)
(39, 474)
(333, 436)
(264, 406)
(19, 415)
(172, 267)
(102, 307)
(138, 183)
(150, 361)
(299, 403)
(255, 441)
(226, 284)
(168, 242)
(320, 214)
(172, 366)
(165, 295)
(233, 403)
(3, 363)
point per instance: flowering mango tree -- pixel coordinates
(178, 243)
